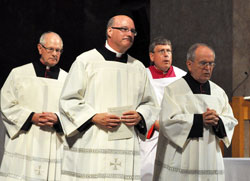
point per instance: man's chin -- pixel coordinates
(205, 79)
(126, 47)
(52, 63)
(207, 76)
(128, 44)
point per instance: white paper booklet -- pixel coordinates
(123, 131)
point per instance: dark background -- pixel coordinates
(80, 23)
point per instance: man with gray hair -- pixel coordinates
(161, 73)
(195, 116)
(29, 107)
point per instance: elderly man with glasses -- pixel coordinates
(195, 117)
(106, 103)
(29, 107)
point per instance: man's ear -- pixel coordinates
(189, 63)
(39, 47)
(109, 32)
(151, 56)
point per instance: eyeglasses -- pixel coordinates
(125, 29)
(163, 51)
(204, 64)
(51, 50)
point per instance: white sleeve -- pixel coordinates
(74, 110)
(229, 121)
(13, 114)
(175, 124)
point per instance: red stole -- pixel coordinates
(158, 74)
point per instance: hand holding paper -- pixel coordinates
(124, 130)
(106, 120)
(131, 118)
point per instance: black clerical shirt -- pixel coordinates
(40, 70)
(111, 56)
(197, 128)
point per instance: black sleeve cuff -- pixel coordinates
(219, 129)
(84, 127)
(141, 126)
(197, 128)
(27, 125)
(58, 126)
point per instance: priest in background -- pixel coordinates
(161, 73)
(194, 118)
(106, 103)
(29, 107)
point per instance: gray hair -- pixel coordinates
(43, 40)
(159, 41)
(191, 50)
(109, 24)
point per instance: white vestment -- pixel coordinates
(33, 155)
(149, 146)
(93, 86)
(195, 159)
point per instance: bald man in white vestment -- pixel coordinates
(29, 107)
(194, 118)
(106, 103)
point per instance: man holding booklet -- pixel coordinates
(107, 101)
